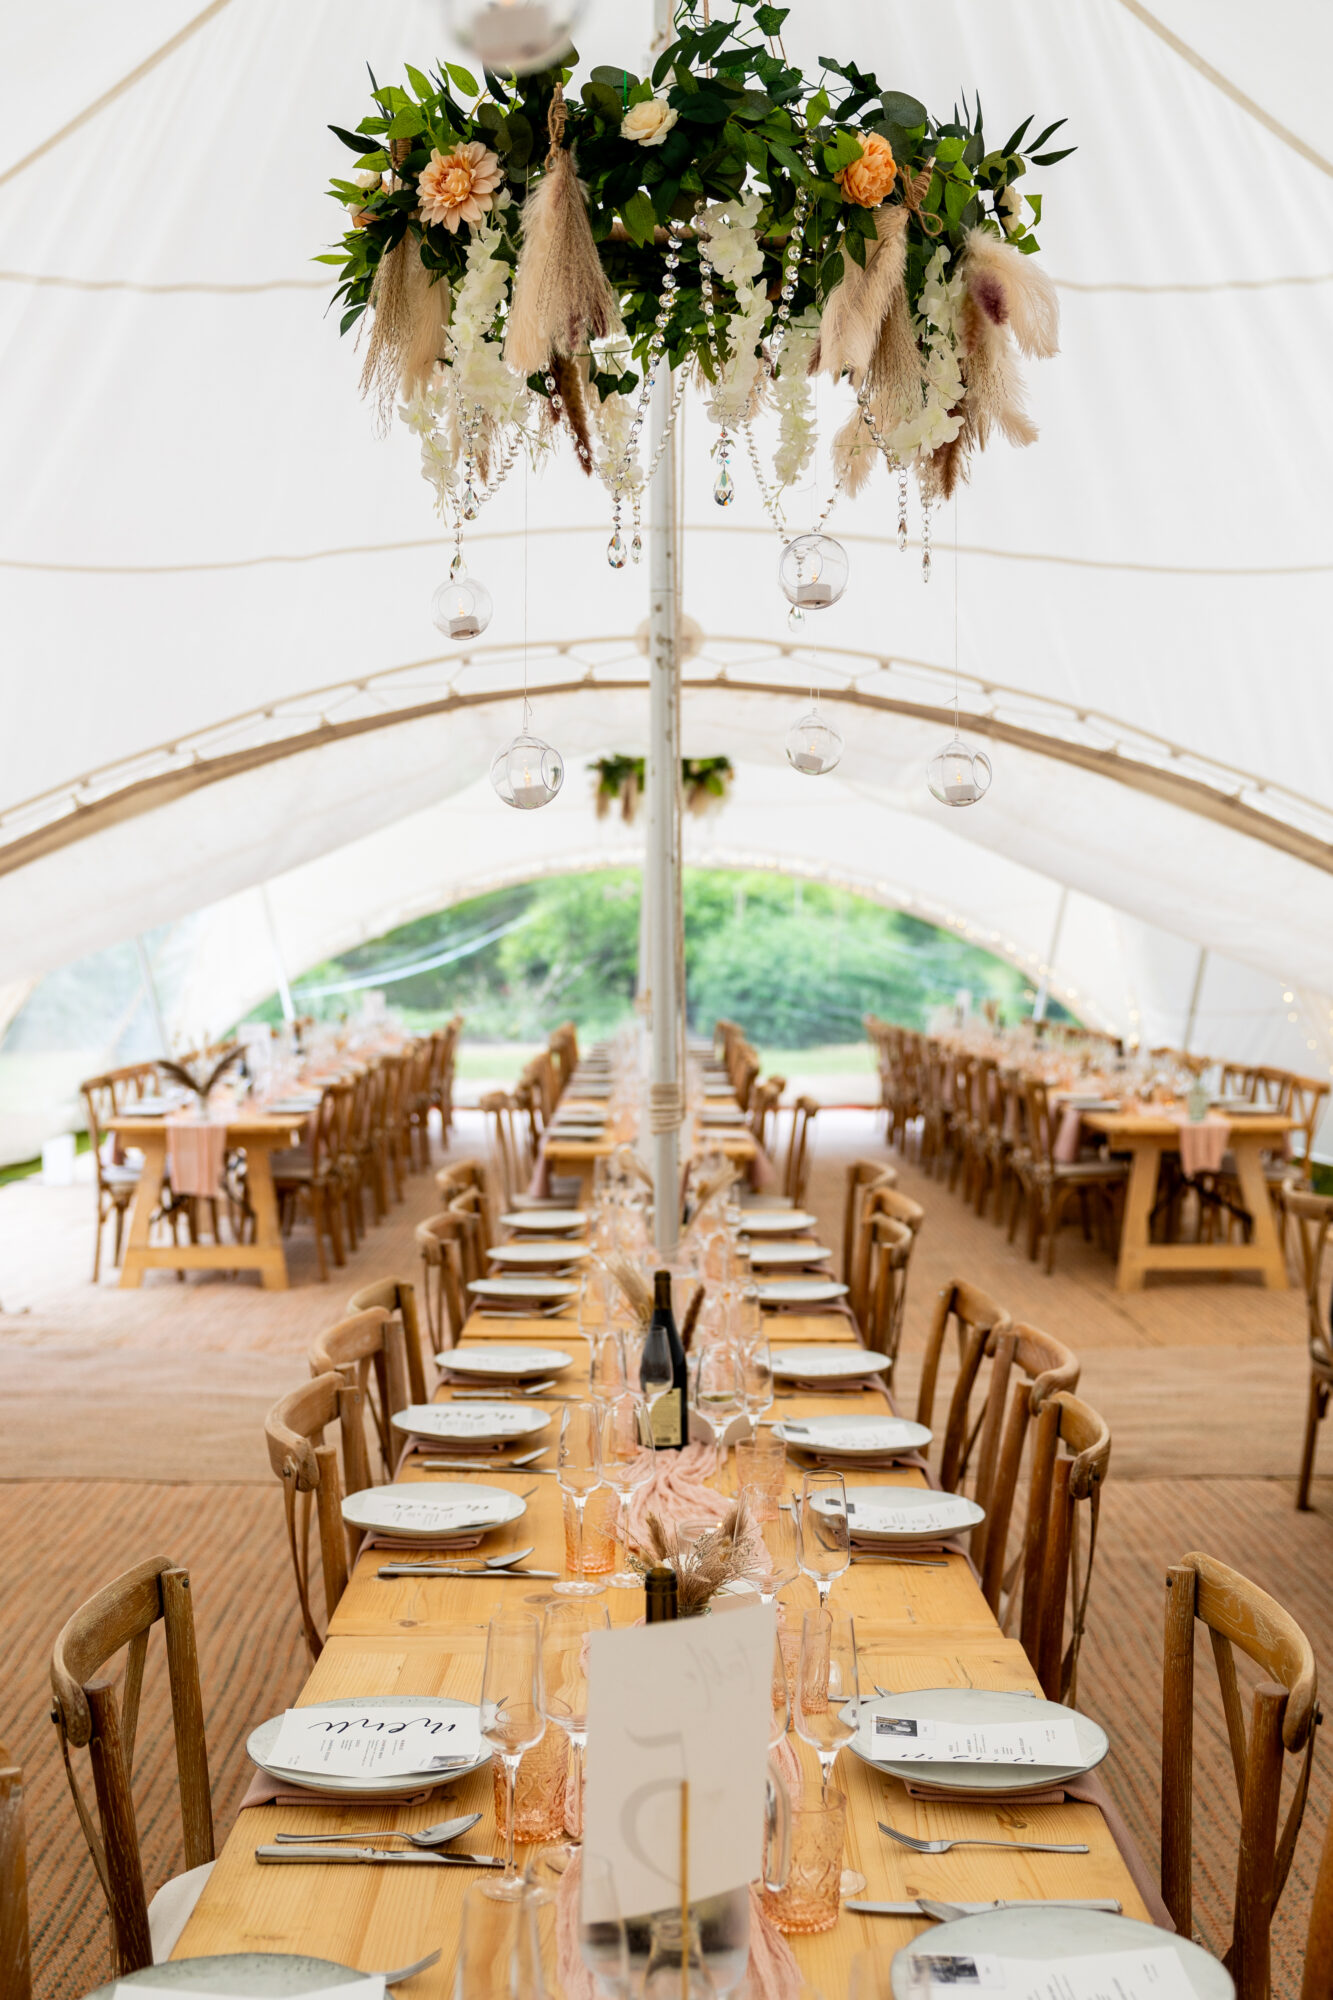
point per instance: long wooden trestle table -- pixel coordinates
(916, 1628)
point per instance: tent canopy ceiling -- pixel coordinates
(209, 554)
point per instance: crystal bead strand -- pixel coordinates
(617, 480)
(895, 464)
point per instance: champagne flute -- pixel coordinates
(757, 1377)
(828, 1690)
(603, 1943)
(513, 1717)
(565, 1631)
(606, 1372)
(823, 1528)
(720, 1391)
(781, 1541)
(579, 1471)
(781, 1701)
(629, 1459)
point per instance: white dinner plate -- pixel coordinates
(789, 1253)
(852, 1436)
(512, 1359)
(832, 1364)
(255, 1975)
(776, 1221)
(430, 1512)
(401, 1784)
(899, 1516)
(540, 1221)
(722, 1117)
(536, 1288)
(959, 1704)
(1047, 1932)
(297, 1106)
(470, 1423)
(534, 1255)
(800, 1291)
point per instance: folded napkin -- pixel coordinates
(375, 1538)
(264, 1790)
(196, 1155)
(807, 1309)
(1203, 1144)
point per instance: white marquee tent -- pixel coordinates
(229, 721)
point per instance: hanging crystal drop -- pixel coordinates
(615, 550)
(902, 510)
(724, 487)
(471, 505)
(925, 564)
(795, 618)
(457, 567)
(636, 547)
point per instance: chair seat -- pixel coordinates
(293, 1165)
(114, 1175)
(172, 1907)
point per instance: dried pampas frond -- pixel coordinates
(428, 307)
(390, 332)
(569, 387)
(627, 1161)
(859, 302)
(712, 1184)
(995, 394)
(894, 374)
(637, 1292)
(726, 1554)
(949, 464)
(1012, 290)
(854, 454)
(561, 298)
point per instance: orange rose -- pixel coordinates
(869, 180)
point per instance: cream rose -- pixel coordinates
(648, 123)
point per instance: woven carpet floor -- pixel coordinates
(109, 1452)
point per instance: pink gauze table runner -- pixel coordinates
(1203, 1144)
(196, 1155)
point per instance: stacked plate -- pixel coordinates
(782, 1255)
(800, 1291)
(969, 1708)
(363, 1786)
(464, 1424)
(901, 1517)
(852, 1436)
(776, 1221)
(432, 1513)
(533, 1256)
(545, 1221)
(261, 1975)
(1048, 1934)
(510, 1361)
(535, 1290)
(827, 1363)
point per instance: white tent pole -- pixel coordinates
(1195, 991)
(1044, 983)
(150, 994)
(279, 963)
(661, 873)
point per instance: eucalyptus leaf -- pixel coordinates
(830, 272)
(1041, 137)
(1012, 144)
(464, 78)
(639, 217)
(359, 142)
(620, 80)
(902, 109)
(855, 245)
(1050, 159)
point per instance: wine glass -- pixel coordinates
(603, 1945)
(780, 1538)
(757, 1377)
(500, 1956)
(781, 1701)
(824, 1537)
(629, 1459)
(579, 1470)
(606, 1370)
(565, 1630)
(513, 1717)
(828, 1689)
(720, 1391)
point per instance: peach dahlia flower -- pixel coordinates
(459, 186)
(869, 180)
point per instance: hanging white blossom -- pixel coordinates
(793, 392)
(732, 232)
(936, 326)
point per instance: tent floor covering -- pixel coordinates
(109, 1454)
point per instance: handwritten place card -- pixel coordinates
(1152, 1973)
(444, 1515)
(910, 1739)
(879, 1518)
(376, 1742)
(690, 1700)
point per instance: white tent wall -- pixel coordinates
(202, 522)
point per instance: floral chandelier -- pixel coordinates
(531, 259)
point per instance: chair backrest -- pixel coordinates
(1317, 1983)
(1042, 1124)
(796, 1173)
(1313, 1216)
(369, 1349)
(878, 1198)
(308, 1468)
(1282, 1719)
(472, 1245)
(889, 1247)
(971, 1314)
(763, 1106)
(88, 1715)
(440, 1241)
(466, 1174)
(15, 1955)
(397, 1297)
(509, 1148)
(862, 1176)
(1054, 1574)
(1305, 1103)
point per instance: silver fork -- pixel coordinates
(1015, 1846)
(404, 1971)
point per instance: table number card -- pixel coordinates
(908, 1739)
(1155, 1973)
(380, 1743)
(689, 1700)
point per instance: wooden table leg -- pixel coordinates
(1139, 1201)
(271, 1262)
(1264, 1239)
(146, 1197)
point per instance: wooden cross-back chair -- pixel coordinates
(765, 1098)
(310, 1174)
(397, 1297)
(115, 1180)
(310, 1475)
(15, 1953)
(466, 1174)
(889, 1247)
(416, 1105)
(878, 1199)
(1313, 1216)
(1055, 1575)
(1049, 1185)
(369, 1350)
(509, 1144)
(1317, 1983)
(796, 1169)
(1283, 1715)
(440, 1241)
(862, 1177)
(969, 1314)
(89, 1714)
(473, 1245)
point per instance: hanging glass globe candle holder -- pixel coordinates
(813, 745)
(461, 607)
(813, 572)
(959, 776)
(515, 37)
(527, 773)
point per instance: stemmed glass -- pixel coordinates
(606, 1371)
(603, 1944)
(579, 1470)
(513, 1717)
(828, 1688)
(565, 1631)
(781, 1542)
(757, 1377)
(629, 1459)
(720, 1391)
(824, 1537)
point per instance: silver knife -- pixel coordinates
(314, 1852)
(915, 1909)
(440, 1569)
(466, 1465)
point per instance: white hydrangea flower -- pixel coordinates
(793, 392)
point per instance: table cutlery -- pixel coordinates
(927, 1906)
(1018, 1846)
(518, 1465)
(905, 1562)
(429, 1836)
(442, 1569)
(405, 1971)
(479, 1563)
(313, 1851)
(523, 1312)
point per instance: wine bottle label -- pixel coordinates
(666, 1419)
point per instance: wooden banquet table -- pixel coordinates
(916, 1628)
(257, 1134)
(577, 1158)
(1146, 1135)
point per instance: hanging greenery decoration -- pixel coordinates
(705, 782)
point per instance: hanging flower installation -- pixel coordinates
(530, 258)
(705, 783)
